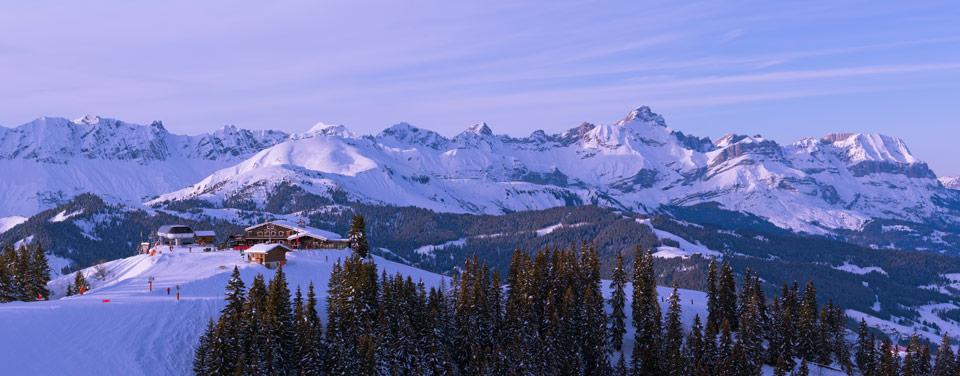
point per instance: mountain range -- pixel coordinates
(49, 160)
(832, 184)
(818, 208)
(840, 181)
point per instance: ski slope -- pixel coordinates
(141, 332)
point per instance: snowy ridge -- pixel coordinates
(49, 160)
(951, 182)
(840, 181)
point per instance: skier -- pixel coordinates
(168, 291)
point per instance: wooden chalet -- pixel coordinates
(205, 237)
(269, 255)
(294, 236)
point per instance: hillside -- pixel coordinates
(886, 284)
(141, 332)
(149, 333)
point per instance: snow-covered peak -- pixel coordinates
(951, 182)
(861, 147)
(88, 119)
(59, 140)
(480, 128)
(324, 129)
(645, 115)
(404, 133)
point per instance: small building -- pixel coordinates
(205, 237)
(144, 248)
(175, 235)
(294, 236)
(269, 255)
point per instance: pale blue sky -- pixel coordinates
(782, 70)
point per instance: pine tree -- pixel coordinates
(751, 325)
(646, 317)
(358, 237)
(40, 273)
(352, 316)
(694, 349)
(889, 364)
(200, 366)
(231, 318)
(945, 363)
(23, 275)
(673, 361)
(780, 337)
(727, 296)
(437, 348)
(781, 368)
(726, 363)
(618, 299)
(804, 370)
(256, 330)
(309, 330)
(281, 343)
(593, 326)
(8, 290)
(519, 330)
(865, 356)
(621, 369)
(808, 329)
(80, 283)
(713, 303)
(916, 362)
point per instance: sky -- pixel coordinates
(785, 70)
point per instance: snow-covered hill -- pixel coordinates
(839, 181)
(48, 160)
(119, 327)
(140, 332)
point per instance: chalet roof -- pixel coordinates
(174, 229)
(205, 233)
(265, 248)
(301, 230)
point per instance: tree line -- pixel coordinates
(24, 274)
(548, 317)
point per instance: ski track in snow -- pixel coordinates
(140, 332)
(149, 333)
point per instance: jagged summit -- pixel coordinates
(872, 147)
(325, 129)
(88, 119)
(480, 128)
(645, 115)
(636, 164)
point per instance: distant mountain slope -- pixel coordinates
(891, 284)
(816, 185)
(951, 182)
(48, 160)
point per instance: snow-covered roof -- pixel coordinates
(265, 247)
(206, 233)
(302, 230)
(175, 231)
